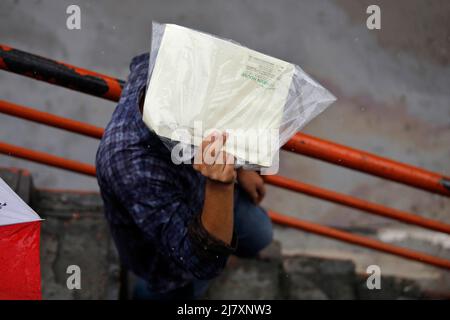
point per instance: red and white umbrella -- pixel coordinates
(20, 271)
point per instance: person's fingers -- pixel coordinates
(209, 139)
(221, 140)
(215, 163)
(212, 151)
(220, 162)
(261, 188)
(229, 171)
(199, 156)
(223, 156)
(255, 196)
(230, 159)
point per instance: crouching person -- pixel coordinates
(174, 225)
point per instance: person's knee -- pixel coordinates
(265, 234)
(261, 239)
(259, 236)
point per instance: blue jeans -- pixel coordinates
(254, 232)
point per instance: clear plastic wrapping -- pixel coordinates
(199, 83)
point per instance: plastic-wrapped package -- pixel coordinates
(199, 83)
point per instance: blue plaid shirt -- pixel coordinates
(152, 205)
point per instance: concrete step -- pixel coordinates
(19, 180)
(303, 277)
(75, 233)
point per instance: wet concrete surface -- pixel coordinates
(392, 87)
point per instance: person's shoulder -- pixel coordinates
(140, 61)
(121, 154)
(137, 79)
(115, 149)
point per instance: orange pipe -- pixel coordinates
(366, 162)
(96, 132)
(83, 80)
(45, 158)
(358, 240)
(60, 73)
(50, 119)
(356, 203)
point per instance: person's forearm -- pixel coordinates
(217, 214)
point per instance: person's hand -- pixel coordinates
(214, 163)
(253, 184)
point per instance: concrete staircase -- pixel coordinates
(273, 276)
(75, 233)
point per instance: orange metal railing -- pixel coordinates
(369, 163)
(107, 87)
(353, 202)
(60, 73)
(48, 159)
(349, 201)
(45, 158)
(358, 240)
(50, 119)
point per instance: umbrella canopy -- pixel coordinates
(20, 275)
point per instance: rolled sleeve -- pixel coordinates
(205, 243)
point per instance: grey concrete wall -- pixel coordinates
(392, 86)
